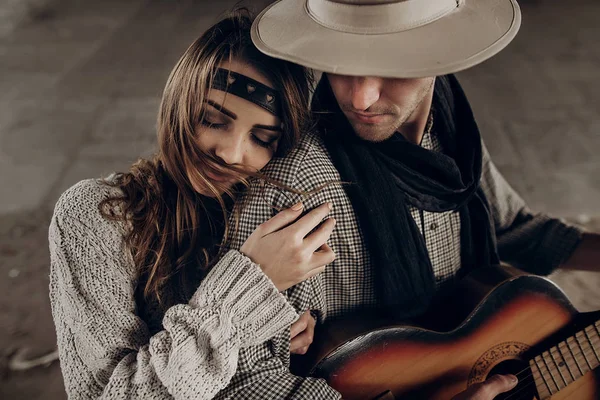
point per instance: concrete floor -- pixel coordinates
(80, 84)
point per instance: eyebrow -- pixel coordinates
(269, 127)
(222, 109)
(233, 116)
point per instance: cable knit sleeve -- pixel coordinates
(106, 350)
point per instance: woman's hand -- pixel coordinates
(302, 333)
(285, 250)
(489, 389)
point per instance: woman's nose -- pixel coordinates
(231, 149)
(365, 92)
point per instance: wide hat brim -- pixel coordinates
(472, 33)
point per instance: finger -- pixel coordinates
(300, 351)
(324, 249)
(304, 339)
(318, 238)
(497, 384)
(282, 219)
(299, 326)
(308, 222)
(312, 321)
(322, 257)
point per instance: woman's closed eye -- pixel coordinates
(266, 143)
(261, 139)
(214, 123)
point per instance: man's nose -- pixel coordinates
(365, 92)
(231, 149)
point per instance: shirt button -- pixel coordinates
(433, 226)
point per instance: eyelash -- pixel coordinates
(266, 145)
(209, 124)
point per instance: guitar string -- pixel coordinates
(575, 354)
(520, 393)
(522, 388)
(527, 386)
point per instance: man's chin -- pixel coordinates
(373, 134)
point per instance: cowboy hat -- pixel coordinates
(386, 38)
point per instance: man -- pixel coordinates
(424, 203)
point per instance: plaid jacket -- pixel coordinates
(524, 239)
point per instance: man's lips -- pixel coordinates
(367, 117)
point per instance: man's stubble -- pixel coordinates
(398, 117)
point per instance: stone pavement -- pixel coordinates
(80, 84)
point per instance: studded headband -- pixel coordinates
(249, 89)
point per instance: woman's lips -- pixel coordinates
(218, 178)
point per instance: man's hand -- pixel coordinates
(586, 256)
(489, 389)
(302, 333)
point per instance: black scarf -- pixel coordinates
(386, 177)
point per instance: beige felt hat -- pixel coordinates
(387, 38)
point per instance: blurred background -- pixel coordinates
(80, 84)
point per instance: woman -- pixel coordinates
(145, 303)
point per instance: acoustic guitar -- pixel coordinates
(495, 321)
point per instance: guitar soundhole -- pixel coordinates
(525, 390)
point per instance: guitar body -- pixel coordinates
(500, 320)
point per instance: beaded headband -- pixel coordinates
(249, 89)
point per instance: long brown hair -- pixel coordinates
(159, 197)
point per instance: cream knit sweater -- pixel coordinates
(106, 350)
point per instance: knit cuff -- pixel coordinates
(245, 295)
